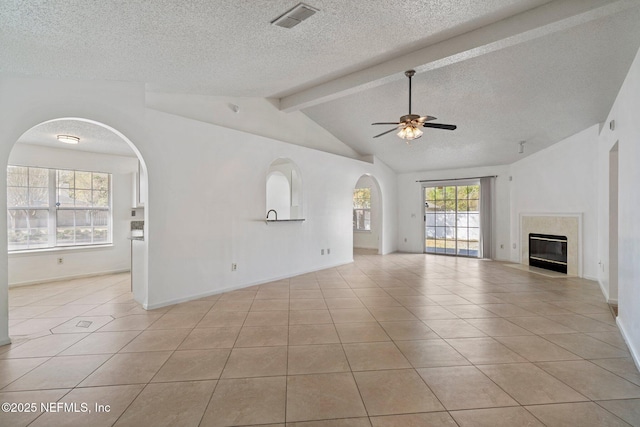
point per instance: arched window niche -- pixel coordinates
(284, 191)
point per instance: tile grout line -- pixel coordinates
(227, 359)
(397, 268)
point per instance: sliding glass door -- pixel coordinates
(452, 219)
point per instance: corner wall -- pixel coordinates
(627, 135)
(560, 179)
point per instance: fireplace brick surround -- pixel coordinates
(569, 225)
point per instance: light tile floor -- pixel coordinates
(395, 340)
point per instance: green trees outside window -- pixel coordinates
(362, 209)
(54, 207)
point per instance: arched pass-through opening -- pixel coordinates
(279, 195)
(82, 217)
(284, 191)
(367, 214)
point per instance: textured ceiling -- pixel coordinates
(225, 47)
(541, 91)
(93, 138)
(502, 70)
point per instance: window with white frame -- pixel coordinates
(49, 208)
(362, 209)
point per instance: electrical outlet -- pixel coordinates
(501, 246)
(321, 251)
(328, 251)
(60, 260)
(514, 246)
(405, 240)
(234, 266)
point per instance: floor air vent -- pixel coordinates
(294, 16)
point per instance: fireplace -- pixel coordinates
(548, 251)
(558, 224)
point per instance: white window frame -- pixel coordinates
(53, 209)
(455, 183)
(364, 211)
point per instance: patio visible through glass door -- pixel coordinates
(452, 219)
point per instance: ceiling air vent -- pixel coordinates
(294, 16)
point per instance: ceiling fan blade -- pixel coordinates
(425, 119)
(440, 126)
(384, 133)
(386, 123)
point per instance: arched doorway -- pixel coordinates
(72, 208)
(367, 214)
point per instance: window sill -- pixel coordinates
(60, 249)
(362, 231)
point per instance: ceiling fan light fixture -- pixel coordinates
(409, 124)
(68, 139)
(410, 133)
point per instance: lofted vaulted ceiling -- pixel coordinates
(502, 70)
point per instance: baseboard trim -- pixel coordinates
(62, 278)
(635, 353)
(604, 290)
(237, 287)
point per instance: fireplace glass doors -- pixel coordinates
(452, 219)
(548, 251)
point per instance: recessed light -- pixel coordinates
(68, 139)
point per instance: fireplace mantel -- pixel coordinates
(565, 224)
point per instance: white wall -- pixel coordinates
(560, 179)
(205, 206)
(411, 211)
(225, 217)
(27, 268)
(388, 190)
(258, 116)
(369, 239)
(627, 135)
